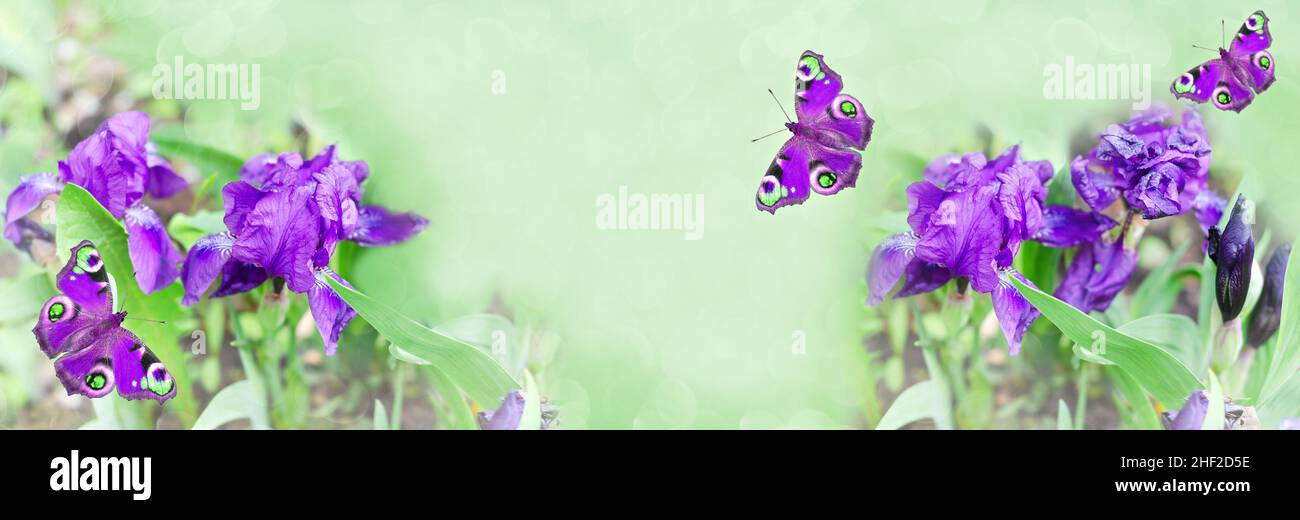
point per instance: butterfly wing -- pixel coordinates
(786, 180)
(1249, 50)
(840, 119)
(1214, 82)
(116, 359)
(92, 352)
(804, 166)
(68, 320)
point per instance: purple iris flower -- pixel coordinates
(1267, 316)
(506, 416)
(1158, 165)
(1191, 416)
(285, 217)
(968, 219)
(1099, 271)
(118, 166)
(1233, 254)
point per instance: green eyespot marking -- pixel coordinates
(84, 258)
(96, 381)
(849, 109)
(769, 198)
(814, 67)
(1224, 98)
(56, 312)
(157, 387)
(1264, 62)
(826, 179)
(1183, 85)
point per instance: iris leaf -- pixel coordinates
(915, 403)
(470, 368)
(81, 217)
(1158, 371)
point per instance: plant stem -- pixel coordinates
(1081, 401)
(399, 383)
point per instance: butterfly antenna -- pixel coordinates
(778, 104)
(145, 319)
(766, 136)
(1204, 48)
(1223, 32)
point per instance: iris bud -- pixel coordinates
(1267, 315)
(1233, 253)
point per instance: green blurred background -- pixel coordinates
(660, 97)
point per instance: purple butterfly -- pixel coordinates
(1227, 80)
(818, 158)
(92, 353)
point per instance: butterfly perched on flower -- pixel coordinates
(820, 157)
(92, 353)
(1227, 81)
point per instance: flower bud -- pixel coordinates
(1233, 253)
(1267, 315)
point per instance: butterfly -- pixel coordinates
(820, 156)
(1227, 80)
(92, 353)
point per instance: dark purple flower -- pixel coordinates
(506, 416)
(1233, 254)
(1267, 315)
(285, 216)
(118, 167)
(1158, 165)
(968, 219)
(1191, 416)
(26, 198)
(331, 313)
(153, 255)
(1099, 271)
(1065, 227)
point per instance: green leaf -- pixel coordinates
(1158, 371)
(210, 161)
(458, 414)
(381, 416)
(1214, 415)
(915, 403)
(1175, 333)
(81, 217)
(188, 229)
(1140, 413)
(1159, 290)
(471, 369)
(532, 417)
(1286, 348)
(239, 400)
(1063, 421)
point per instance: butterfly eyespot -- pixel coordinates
(770, 191)
(1184, 83)
(823, 178)
(88, 260)
(809, 68)
(99, 380)
(1264, 60)
(1254, 22)
(59, 308)
(156, 380)
(1222, 97)
(844, 107)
